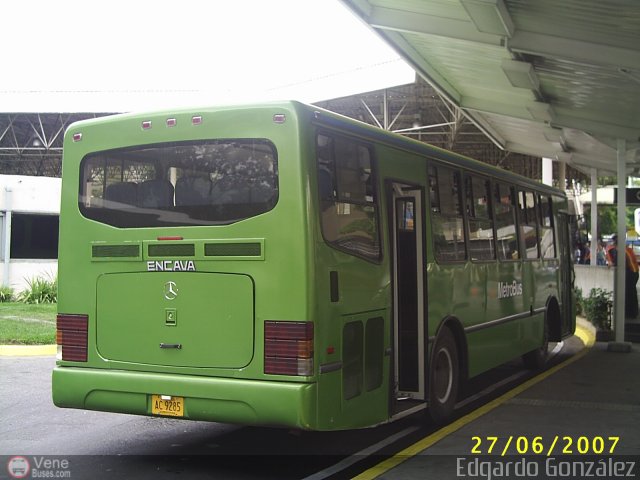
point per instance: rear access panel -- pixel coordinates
(180, 319)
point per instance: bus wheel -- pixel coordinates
(537, 359)
(443, 376)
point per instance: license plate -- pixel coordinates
(167, 406)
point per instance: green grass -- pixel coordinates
(24, 324)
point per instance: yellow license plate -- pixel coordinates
(167, 406)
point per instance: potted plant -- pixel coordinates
(597, 308)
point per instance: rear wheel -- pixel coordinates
(444, 377)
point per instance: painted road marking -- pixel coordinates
(356, 457)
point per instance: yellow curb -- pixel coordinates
(27, 350)
(586, 332)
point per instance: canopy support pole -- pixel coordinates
(619, 344)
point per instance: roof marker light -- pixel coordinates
(196, 120)
(77, 137)
(279, 118)
(146, 125)
(171, 122)
(161, 239)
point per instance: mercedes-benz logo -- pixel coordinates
(170, 290)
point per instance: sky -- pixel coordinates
(74, 55)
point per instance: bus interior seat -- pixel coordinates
(261, 193)
(155, 194)
(122, 192)
(325, 184)
(193, 191)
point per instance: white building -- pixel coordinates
(29, 213)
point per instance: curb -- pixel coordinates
(585, 331)
(27, 350)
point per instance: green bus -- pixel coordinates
(282, 265)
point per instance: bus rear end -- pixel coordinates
(184, 268)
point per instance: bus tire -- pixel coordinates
(444, 374)
(537, 359)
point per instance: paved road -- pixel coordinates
(108, 445)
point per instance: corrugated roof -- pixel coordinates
(546, 78)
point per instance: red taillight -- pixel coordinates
(288, 348)
(71, 336)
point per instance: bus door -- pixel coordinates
(566, 274)
(409, 315)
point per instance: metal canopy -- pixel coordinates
(417, 110)
(31, 143)
(556, 79)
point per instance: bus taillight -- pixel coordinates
(71, 337)
(288, 348)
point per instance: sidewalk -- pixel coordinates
(592, 398)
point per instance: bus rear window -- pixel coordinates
(179, 184)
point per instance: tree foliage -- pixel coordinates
(608, 219)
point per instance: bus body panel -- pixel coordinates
(114, 292)
(206, 398)
(208, 343)
(353, 329)
(187, 313)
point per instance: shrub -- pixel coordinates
(597, 308)
(40, 290)
(6, 293)
(579, 300)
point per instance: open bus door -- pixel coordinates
(409, 324)
(567, 276)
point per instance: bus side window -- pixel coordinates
(346, 191)
(547, 240)
(446, 214)
(325, 184)
(507, 238)
(528, 221)
(326, 170)
(481, 240)
(434, 193)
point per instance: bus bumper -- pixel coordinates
(229, 400)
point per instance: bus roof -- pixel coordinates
(340, 122)
(400, 141)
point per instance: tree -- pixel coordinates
(608, 219)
